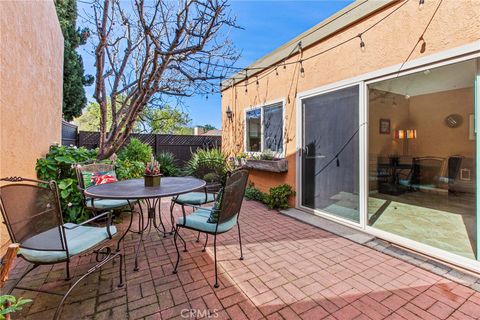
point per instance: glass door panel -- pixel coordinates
(330, 176)
(422, 170)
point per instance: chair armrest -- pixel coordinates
(197, 207)
(108, 213)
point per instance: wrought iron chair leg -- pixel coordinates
(68, 270)
(184, 243)
(215, 257)
(198, 237)
(172, 205)
(121, 270)
(30, 269)
(206, 241)
(90, 271)
(240, 240)
(176, 247)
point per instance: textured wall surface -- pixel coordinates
(388, 43)
(31, 62)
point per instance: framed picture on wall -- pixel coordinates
(384, 126)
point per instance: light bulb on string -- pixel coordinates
(257, 82)
(421, 4)
(362, 44)
(302, 70)
(276, 71)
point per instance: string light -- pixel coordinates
(362, 44)
(199, 68)
(302, 70)
(257, 81)
(274, 68)
(421, 3)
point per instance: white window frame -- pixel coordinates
(262, 108)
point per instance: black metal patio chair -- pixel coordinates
(220, 218)
(32, 213)
(214, 175)
(86, 175)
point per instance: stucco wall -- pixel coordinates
(391, 42)
(31, 62)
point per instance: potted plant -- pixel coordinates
(152, 173)
(267, 161)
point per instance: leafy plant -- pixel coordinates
(252, 193)
(152, 167)
(10, 304)
(267, 155)
(205, 162)
(127, 169)
(58, 165)
(277, 198)
(167, 164)
(136, 150)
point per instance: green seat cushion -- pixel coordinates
(107, 203)
(195, 198)
(198, 221)
(79, 240)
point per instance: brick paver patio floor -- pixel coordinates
(291, 271)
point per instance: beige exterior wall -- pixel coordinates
(389, 43)
(31, 75)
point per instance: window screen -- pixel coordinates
(273, 127)
(254, 130)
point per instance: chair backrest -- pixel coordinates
(31, 211)
(82, 169)
(233, 193)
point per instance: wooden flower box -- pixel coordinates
(278, 166)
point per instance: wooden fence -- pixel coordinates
(69, 133)
(181, 146)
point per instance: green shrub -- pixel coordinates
(207, 163)
(277, 198)
(58, 165)
(136, 150)
(252, 193)
(167, 164)
(267, 155)
(14, 305)
(127, 169)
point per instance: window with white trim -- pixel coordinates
(264, 129)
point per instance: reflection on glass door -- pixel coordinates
(330, 153)
(422, 157)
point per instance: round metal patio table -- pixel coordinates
(135, 190)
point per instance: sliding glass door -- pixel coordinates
(423, 157)
(329, 157)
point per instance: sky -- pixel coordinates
(266, 25)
